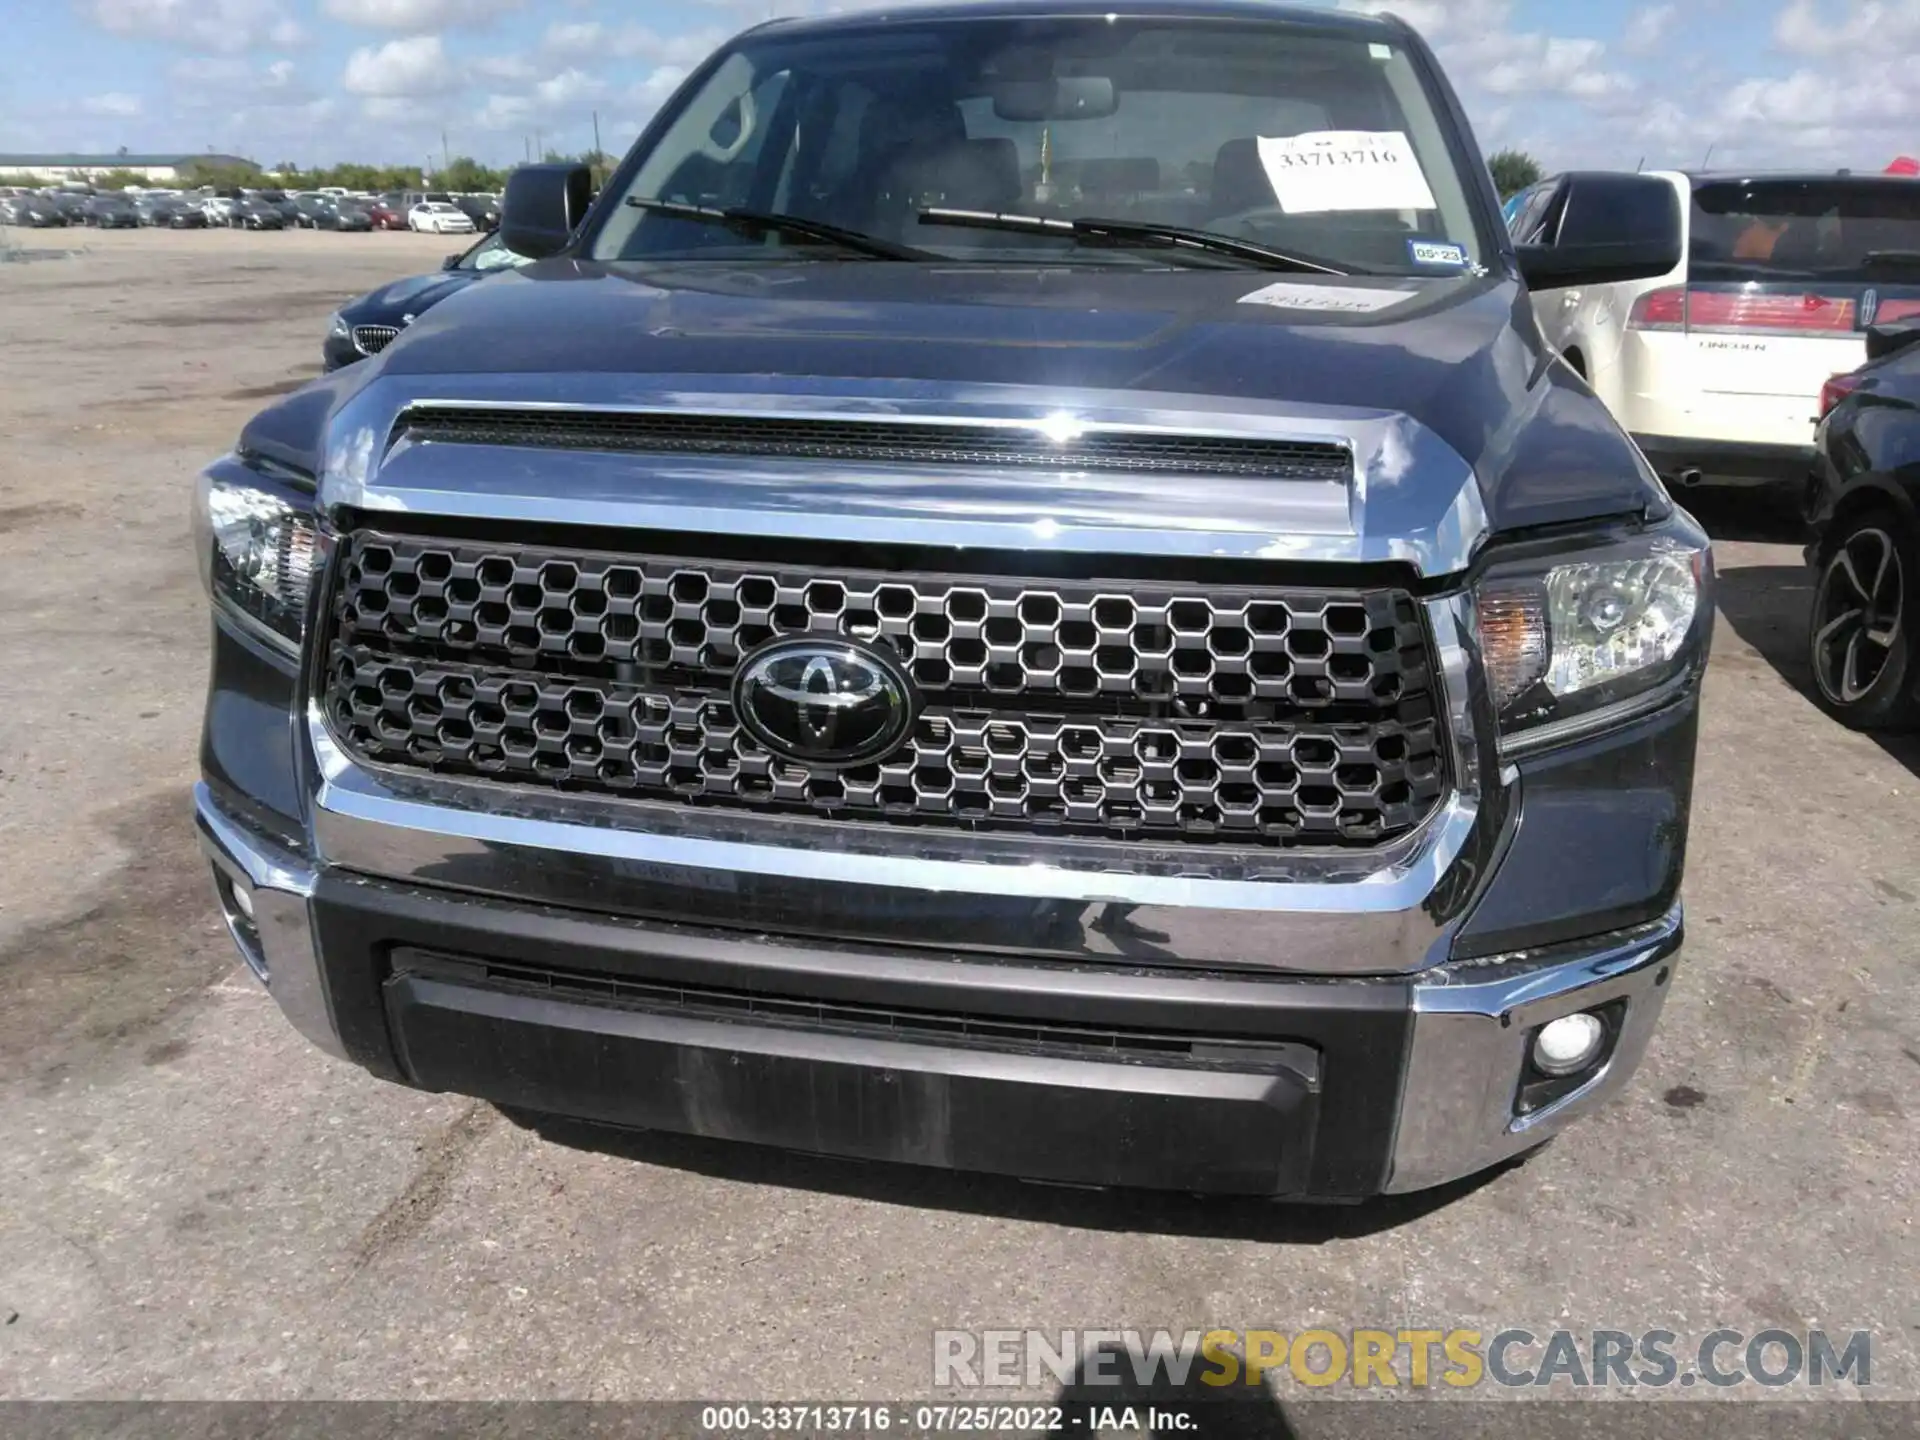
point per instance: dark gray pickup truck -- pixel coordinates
(1018, 592)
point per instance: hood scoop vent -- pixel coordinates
(889, 441)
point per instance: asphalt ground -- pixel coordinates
(194, 1204)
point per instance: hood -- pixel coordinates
(388, 304)
(1459, 355)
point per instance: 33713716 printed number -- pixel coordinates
(921, 1419)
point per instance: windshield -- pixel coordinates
(1755, 230)
(1302, 138)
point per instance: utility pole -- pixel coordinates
(540, 143)
(596, 148)
(446, 158)
(526, 142)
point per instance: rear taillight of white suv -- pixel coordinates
(1664, 309)
(1744, 310)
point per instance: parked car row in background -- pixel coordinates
(1782, 351)
(264, 209)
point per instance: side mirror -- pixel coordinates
(542, 205)
(1611, 228)
(1885, 340)
(452, 262)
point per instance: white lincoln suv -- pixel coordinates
(1716, 368)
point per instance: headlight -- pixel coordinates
(1576, 642)
(337, 327)
(258, 551)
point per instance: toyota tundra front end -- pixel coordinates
(918, 632)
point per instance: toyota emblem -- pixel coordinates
(824, 702)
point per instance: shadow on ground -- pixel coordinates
(1767, 607)
(921, 1187)
(1764, 515)
(1108, 1394)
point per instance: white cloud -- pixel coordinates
(206, 82)
(416, 15)
(1646, 28)
(575, 44)
(115, 102)
(513, 69)
(574, 37)
(575, 68)
(570, 87)
(220, 25)
(1481, 50)
(758, 10)
(504, 112)
(416, 65)
(395, 110)
(1849, 98)
(1810, 27)
(1546, 64)
(582, 39)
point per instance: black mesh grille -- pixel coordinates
(882, 442)
(1149, 711)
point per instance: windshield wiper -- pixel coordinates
(1892, 259)
(1144, 232)
(762, 222)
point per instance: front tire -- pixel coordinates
(1861, 636)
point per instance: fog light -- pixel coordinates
(1569, 1045)
(242, 900)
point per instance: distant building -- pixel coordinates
(52, 169)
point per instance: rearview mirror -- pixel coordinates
(1073, 97)
(1611, 227)
(542, 206)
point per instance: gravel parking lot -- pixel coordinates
(195, 1204)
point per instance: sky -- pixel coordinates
(1574, 82)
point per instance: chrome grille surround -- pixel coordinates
(1141, 709)
(372, 339)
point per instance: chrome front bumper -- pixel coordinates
(1469, 1024)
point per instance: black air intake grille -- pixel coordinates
(1147, 711)
(876, 442)
(1174, 1049)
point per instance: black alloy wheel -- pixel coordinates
(1861, 640)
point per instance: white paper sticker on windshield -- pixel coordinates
(1330, 170)
(1335, 299)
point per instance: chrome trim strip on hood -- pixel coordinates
(1433, 525)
